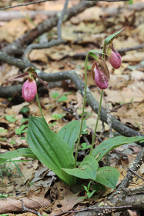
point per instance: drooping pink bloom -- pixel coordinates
(29, 90)
(100, 78)
(115, 59)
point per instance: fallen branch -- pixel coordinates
(17, 46)
(24, 4)
(10, 91)
(9, 15)
(14, 205)
(52, 42)
(133, 168)
(121, 51)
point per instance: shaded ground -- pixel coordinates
(62, 102)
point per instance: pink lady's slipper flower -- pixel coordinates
(29, 90)
(100, 75)
(115, 59)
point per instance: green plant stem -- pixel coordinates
(38, 102)
(83, 109)
(97, 120)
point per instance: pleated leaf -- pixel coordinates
(70, 133)
(22, 152)
(86, 170)
(50, 148)
(107, 176)
(107, 145)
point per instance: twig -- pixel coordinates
(51, 43)
(40, 46)
(103, 209)
(121, 51)
(9, 15)
(136, 174)
(24, 4)
(13, 61)
(134, 191)
(17, 46)
(68, 75)
(25, 209)
(61, 19)
(133, 168)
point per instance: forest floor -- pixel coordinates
(62, 102)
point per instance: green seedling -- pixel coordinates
(89, 192)
(57, 116)
(24, 110)
(62, 98)
(55, 95)
(85, 146)
(10, 118)
(3, 196)
(22, 129)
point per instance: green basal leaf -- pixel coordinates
(107, 176)
(22, 152)
(112, 37)
(86, 170)
(50, 148)
(70, 133)
(106, 146)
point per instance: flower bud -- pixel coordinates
(29, 90)
(99, 77)
(115, 59)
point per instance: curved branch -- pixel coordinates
(71, 75)
(17, 46)
(67, 75)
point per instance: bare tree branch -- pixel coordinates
(40, 46)
(121, 51)
(15, 14)
(25, 4)
(133, 168)
(61, 19)
(17, 46)
(68, 75)
(51, 43)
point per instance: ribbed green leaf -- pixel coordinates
(50, 148)
(111, 143)
(86, 170)
(70, 133)
(107, 176)
(22, 152)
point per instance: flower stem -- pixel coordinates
(98, 117)
(38, 102)
(83, 109)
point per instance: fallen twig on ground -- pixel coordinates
(133, 168)
(9, 15)
(10, 91)
(52, 42)
(25, 4)
(15, 205)
(17, 46)
(121, 51)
